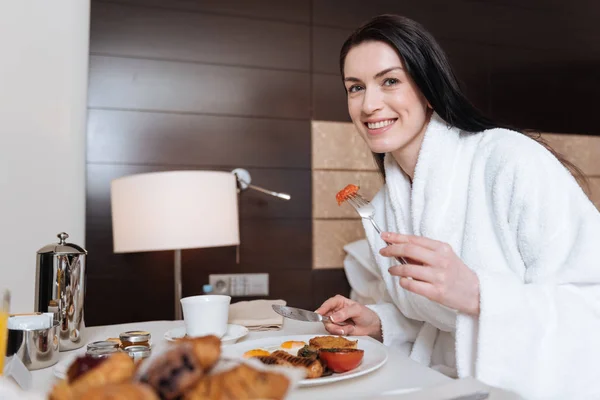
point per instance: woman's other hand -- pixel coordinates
(359, 319)
(436, 271)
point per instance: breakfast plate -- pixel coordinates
(233, 334)
(375, 355)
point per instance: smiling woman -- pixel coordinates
(501, 281)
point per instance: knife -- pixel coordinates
(302, 315)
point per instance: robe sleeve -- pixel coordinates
(396, 329)
(538, 332)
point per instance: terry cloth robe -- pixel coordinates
(519, 220)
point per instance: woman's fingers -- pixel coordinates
(418, 272)
(349, 312)
(397, 238)
(421, 255)
(331, 305)
(424, 289)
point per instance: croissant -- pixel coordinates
(116, 369)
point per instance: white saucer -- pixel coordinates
(233, 334)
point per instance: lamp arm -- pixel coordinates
(244, 179)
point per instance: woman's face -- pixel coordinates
(385, 105)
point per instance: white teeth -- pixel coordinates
(380, 124)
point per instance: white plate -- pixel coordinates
(376, 355)
(233, 334)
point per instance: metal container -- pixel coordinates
(37, 348)
(60, 288)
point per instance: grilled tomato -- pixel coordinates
(341, 360)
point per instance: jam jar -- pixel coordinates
(137, 353)
(103, 344)
(100, 352)
(135, 338)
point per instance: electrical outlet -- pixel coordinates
(240, 285)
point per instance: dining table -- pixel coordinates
(400, 377)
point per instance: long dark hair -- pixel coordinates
(428, 66)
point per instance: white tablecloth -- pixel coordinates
(399, 375)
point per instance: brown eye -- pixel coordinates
(354, 88)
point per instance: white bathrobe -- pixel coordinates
(519, 220)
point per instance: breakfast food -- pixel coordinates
(122, 391)
(240, 383)
(312, 367)
(256, 353)
(341, 360)
(332, 342)
(322, 356)
(181, 367)
(184, 370)
(87, 373)
(343, 195)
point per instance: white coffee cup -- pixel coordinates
(206, 315)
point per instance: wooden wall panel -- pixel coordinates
(219, 84)
(473, 21)
(297, 11)
(328, 98)
(327, 43)
(116, 136)
(175, 35)
(126, 83)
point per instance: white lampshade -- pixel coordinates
(174, 210)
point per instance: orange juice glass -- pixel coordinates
(4, 308)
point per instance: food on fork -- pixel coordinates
(345, 193)
(86, 373)
(240, 383)
(332, 342)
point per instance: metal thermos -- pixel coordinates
(60, 288)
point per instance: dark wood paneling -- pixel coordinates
(265, 245)
(197, 88)
(329, 98)
(184, 36)
(198, 140)
(472, 21)
(545, 90)
(327, 283)
(252, 204)
(146, 295)
(279, 10)
(327, 43)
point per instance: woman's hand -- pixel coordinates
(360, 320)
(437, 273)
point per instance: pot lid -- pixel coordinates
(62, 247)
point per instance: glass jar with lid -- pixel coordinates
(135, 338)
(137, 353)
(100, 352)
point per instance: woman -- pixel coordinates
(503, 276)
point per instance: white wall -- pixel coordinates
(43, 95)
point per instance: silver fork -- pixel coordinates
(367, 211)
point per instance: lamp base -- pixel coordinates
(177, 279)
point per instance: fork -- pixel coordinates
(367, 211)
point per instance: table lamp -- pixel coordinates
(174, 210)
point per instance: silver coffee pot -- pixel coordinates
(60, 288)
